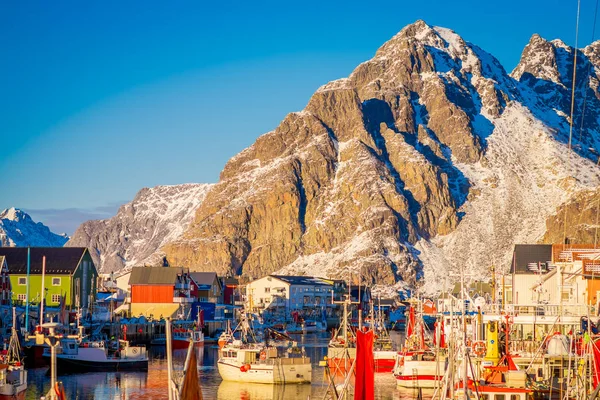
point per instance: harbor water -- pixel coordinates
(152, 384)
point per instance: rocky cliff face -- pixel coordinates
(427, 158)
(134, 236)
(17, 229)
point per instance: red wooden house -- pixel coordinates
(160, 291)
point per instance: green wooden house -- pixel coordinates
(70, 274)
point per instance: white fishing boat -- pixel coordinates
(257, 363)
(417, 365)
(313, 326)
(84, 356)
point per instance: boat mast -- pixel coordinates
(464, 332)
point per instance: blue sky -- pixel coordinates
(99, 100)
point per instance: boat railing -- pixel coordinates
(538, 309)
(552, 309)
(524, 347)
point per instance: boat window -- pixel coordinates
(72, 346)
(515, 396)
(500, 397)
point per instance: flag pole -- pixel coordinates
(27, 290)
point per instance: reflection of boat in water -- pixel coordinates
(256, 391)
(74, 356)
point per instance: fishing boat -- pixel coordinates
(258, 363)
(417, 365)
(74, 355)
(313, 326)
(13, 376)
(384, 354)
(341, 350)
(181, 338)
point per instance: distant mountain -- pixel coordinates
(134, 236)
(17, 229)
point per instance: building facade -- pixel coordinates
(281, 293)
(160, 292)
(206, 286)
(70, 274)
(5, 286)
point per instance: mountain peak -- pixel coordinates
(14, 214)
(18, 229)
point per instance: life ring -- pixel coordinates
(479, 348)
(263, 355)
(243, 368)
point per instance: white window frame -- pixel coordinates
(22, 281)
(59, 281)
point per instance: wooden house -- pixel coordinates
(160, 291)
(206, 286)
(5, 287)
(70, 274)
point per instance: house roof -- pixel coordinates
(301, 280)
(204, 278)
(155, 275)
(59, 260)
(477, 287)
(527, 255)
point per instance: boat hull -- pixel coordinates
(34, 356)
(15, 387)
(267, 373)
(20, 395)
(65, 365)
(417, 373)
(384, 361)
(184, 344)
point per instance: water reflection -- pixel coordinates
(152, 384)
(257, 391)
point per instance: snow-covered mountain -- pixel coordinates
(17, 229)
(134, 236)
(428, 158)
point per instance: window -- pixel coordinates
(56, 298)
(267, 290)
(22, 297)
(55, 281)
(22, 281)
(499, 397)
